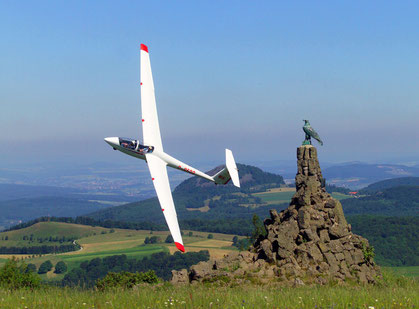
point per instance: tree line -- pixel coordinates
(39, 249)
(161, 263)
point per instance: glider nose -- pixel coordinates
(113, 141)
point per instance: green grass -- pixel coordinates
(408, 271)
(398, 294)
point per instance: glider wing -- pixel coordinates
(151, 129)
(160, 179)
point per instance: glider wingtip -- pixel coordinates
(144, 47)
(180, 246)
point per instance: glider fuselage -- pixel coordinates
(133, 148)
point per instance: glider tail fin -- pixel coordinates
(229, 172)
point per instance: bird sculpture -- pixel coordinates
(310, 133)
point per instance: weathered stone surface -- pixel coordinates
(324, 236)
(303, 217)
(338, 231)
(200, 271)
(357, 256)
(180, 276)
(298, 282)
(274, 215)
(265, 251)
(314, 252)
(330, 203)
(309, 242)
(336, 246)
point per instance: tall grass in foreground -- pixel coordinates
(393, 292)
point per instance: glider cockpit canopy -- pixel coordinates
(135, 145)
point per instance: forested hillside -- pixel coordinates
(197, 198)
(395, 239)
(394, 201)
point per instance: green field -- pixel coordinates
(408, 271)
(278, 196)
(46, 230)
(98, 242)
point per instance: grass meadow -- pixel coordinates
(408, 271)
(396, 292)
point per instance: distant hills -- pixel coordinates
(19, 203)
(390, 183)
(17, 191)
(196, 198)
(20, 210)
(358, 175)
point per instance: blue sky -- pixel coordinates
(237, 74)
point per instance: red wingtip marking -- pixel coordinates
(142, 120)
(180, 246)
(144, 48)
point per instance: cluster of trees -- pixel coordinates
(46, 266)
(15, 275)
(152, 240)
(241, 244)
(41, 240)
(333, 188)
(395, 239)
(126, 280)
(40, 249)
(161, 263)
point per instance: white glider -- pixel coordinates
(151, 150)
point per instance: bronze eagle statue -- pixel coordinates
(310, 133)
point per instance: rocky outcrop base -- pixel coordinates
(308, 243)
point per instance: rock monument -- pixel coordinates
(310, 242)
